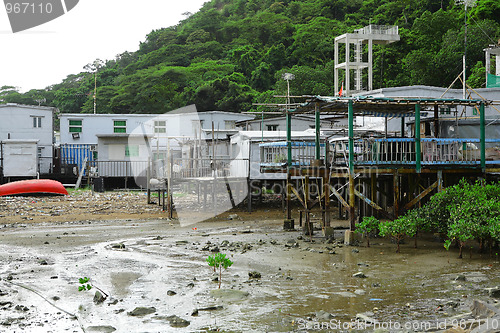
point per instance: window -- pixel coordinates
(119, 126)
(131, 151)
(230, 124)
(272, 127)
(159, 156)
(75, 126)
(160, 126)
(37, 122)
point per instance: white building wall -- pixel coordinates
(17, 123)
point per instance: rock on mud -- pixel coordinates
(101, 329)
(229, 294)
(99, 297)
(175, 321)
(482, 309)
(493, 292)
(142, 311)
(254, 275)
(360, 275)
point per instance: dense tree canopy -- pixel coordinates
(232, 53)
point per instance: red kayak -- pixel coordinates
(33, 186)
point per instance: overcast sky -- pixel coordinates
(45, 55)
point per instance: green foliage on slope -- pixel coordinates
(231, 54)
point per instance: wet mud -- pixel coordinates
(157, 278)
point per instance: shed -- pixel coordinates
(20, 158)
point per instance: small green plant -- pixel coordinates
(368, 225)
(86, 285)
(219, 261)
(398, 229)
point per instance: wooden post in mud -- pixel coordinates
(308, 227)
(288, 224)
(396, 194)
(352, 202)
(440, 180)
(373, 194)
(418, 150)
(482, 136)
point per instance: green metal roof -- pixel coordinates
(378, 106)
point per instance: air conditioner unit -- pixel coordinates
(76, 135)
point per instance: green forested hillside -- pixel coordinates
(232, 53)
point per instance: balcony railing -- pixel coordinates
(402, 151)
(275, 154)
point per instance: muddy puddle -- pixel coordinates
(160, 268)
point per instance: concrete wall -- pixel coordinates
(21, 158)
(17, 123)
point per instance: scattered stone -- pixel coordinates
(363, 264)
(366, 317)
(289, 278)
(190, 285)
(21, 308)
(323, 315)
(452, 304)
(376, 285)
(214, 249)
(355, 251)
(99, 297)
(212, 308)
(113, 302)
(482, 309)
(194, 313)
(460, 277)
(224, 243)
(6, 304)
(54, 277)
(229, 294)
(254, 275)
(493, 292)
(346, 294)
(360, 275)
(101, 329)
(8, 321)
(56, 298)
(171, 293)
(359, 292)
(475, 277)
(215, 279)
(175, 321)
(232, 217)
(181, 242)
(141, 311)
(119, 246)
(43, 262)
